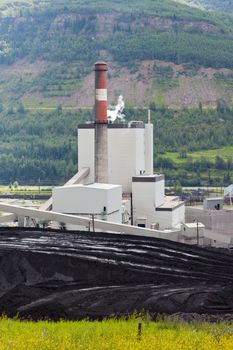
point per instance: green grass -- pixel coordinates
(199, 168)
(21, 190)
(225, 153)
(37, 103)
(115, 335)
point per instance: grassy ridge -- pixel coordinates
(225, 153)
(113, 334)
(216, 5)
(200, 168)
(164, 7)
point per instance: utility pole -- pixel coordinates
(196, 220)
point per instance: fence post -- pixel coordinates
(139, 331)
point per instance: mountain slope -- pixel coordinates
(159, 53)
(216, 5)
(62, 41)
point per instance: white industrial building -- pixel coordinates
(130, 152)
(115, 189)
(130, 166)
(151, 208)
(115, 184)
(101, 200)
(218, 223)
(119, 158)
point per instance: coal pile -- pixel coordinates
(54, 275)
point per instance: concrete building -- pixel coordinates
(130, 164)
(115, 182)
(193, 233)
(151, 208)
(102, 200)
(218, 225)
(213, 203)
(122, 155)
(130, 150)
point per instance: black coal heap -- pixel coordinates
(54, 275)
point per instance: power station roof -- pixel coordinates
(93, 185)
(169, 205)
(131, 125)
(148, 178)
(103, 186)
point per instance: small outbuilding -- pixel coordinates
(213, 203)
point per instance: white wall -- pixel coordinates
(164, 219)
(90, 199)
(126, 154)
(159, 192)
(178, 216)
(143, 202)
(170, 218)
(146, 197)
(86, 152)
(149, 149)
(220, 221)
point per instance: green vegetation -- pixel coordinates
(38, 133)
(69, 38)
(115, 334)
(192, 145)
(210, 155)
(38, 146)
(163, 7)
(132, 36)
(15, 188)
(164, 81)
(208, 168)
(179, 47)
(217, 5)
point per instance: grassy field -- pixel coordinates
(115, 335)
(225, 153)
(199, 168)
(28, 190)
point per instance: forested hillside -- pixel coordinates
(216, 5)
(165, 54)
(178, 55)
(42, 147)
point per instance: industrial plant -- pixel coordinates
(120, 186)
(110, 249)
(115, 189)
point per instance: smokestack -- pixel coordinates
(101, 123)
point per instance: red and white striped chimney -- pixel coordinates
(101, 123)
(101, 92)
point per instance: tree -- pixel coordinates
(10, 110)
(21, 108)
(220, 163)
(15, 184)
(182, 153)
(227, 178)
(59, 108)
